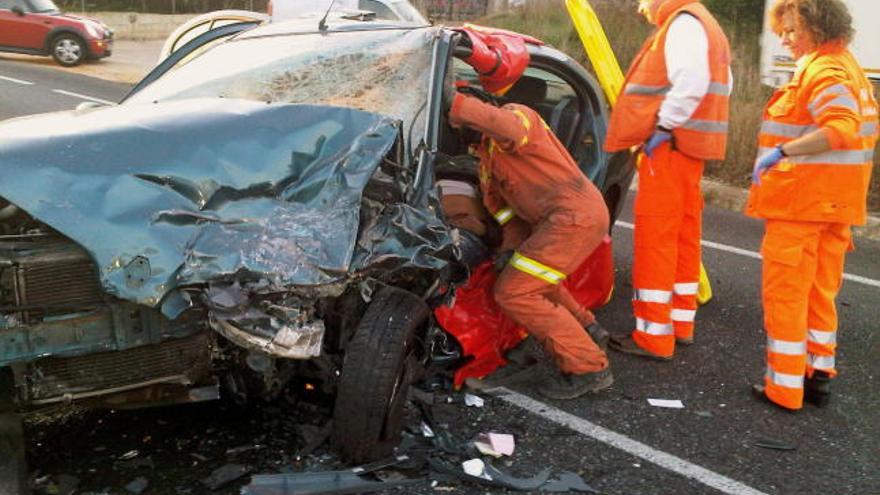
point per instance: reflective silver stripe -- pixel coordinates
(717, 88)
(653, 296)
(869, 129)
(503, 215)
(652, 328)
(848, 157)
(705, 126)
(786, 347)
(786, 130)
(822, 337)
(821, 362)
(844, 101)
(785, 380)
(685, 315)
(643, 89)
(687, 288)
(837, 89)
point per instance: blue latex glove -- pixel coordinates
(765, 163)
(659, 137)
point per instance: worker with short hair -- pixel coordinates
(674, 104)
(810, 184)
(527, 177)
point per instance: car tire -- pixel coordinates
(381, 361)
(13, 464)
(68, 49)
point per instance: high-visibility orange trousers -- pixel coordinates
(528, 291)
(666, 264)
(802, 274)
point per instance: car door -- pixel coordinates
(26, 31)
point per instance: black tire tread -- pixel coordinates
(373, 359)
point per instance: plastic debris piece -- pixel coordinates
(131, 454)
(668, 403)
(471, 400)
(327, 482)
(225, 475)
(769, 443)
(137, 486)
(486, 449)
(568, 482)
(476, 468)
(427, 431)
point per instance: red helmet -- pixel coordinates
(500, 57)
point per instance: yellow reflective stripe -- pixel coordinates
(503, 215)
(492, 146)
(524, 118)
(536, 269)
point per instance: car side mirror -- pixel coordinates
(18, 10)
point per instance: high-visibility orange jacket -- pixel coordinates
(830, 92)
(524, 170)
(704, 135)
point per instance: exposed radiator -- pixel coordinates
(185, 360)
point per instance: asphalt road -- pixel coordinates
(27, 87)
(616, 440)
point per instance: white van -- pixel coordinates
(777, 65)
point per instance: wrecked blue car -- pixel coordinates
(261, 210)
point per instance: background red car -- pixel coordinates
(38, 27)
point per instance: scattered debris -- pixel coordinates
(473, 400)
(476, 468)
(495, 444)
(769, 443)
(427, 431)
(137, 486)
(131, 454)
(668, 403)
(357, 480)
(242, 449)
(224, 475)
(198, 457)
(313, 436)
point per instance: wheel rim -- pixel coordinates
(68, 51)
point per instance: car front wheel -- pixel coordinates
(68, 49)
(381, 361)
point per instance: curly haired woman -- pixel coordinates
(810, 183)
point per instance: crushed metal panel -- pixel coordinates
(195, 191)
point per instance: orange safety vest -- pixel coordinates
(634, 117)
(832, 92)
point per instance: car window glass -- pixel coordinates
(42, 6)
(7, 4)
(201, 29)
(385, 72)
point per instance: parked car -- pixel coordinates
(261, 210)
(38, 27)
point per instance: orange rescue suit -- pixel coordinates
(809, 203)
(669, 203)
(528, 179)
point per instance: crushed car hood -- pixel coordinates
(189, 192)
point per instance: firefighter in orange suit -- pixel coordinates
(527, 176)
(674, 104)
(810, 184)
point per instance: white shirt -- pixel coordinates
(687, 68)
(287, 9)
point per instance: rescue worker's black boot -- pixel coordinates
(562, 386)
(599, 335)
(522, 367)
(817, 389)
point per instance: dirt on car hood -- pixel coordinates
(181, 193)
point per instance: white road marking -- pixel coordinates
(626, 444)
(82, 97)
(752, 254)
(16, 81)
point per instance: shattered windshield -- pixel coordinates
(386, 72)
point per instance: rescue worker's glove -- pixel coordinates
(659, 137)
(766, 162)
(502, 259)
